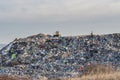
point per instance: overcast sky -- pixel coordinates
(21, 18)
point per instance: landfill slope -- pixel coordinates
(2, 45)
(58, 56)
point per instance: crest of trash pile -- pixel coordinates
(56, 56)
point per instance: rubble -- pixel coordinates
(58, 56)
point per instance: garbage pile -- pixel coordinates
(59, 56)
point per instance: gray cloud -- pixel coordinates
(19, 18)
(57, 9)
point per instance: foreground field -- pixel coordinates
(93, 72)
(98, 72)
(6, 77)
(106, 76)
(101, 76)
